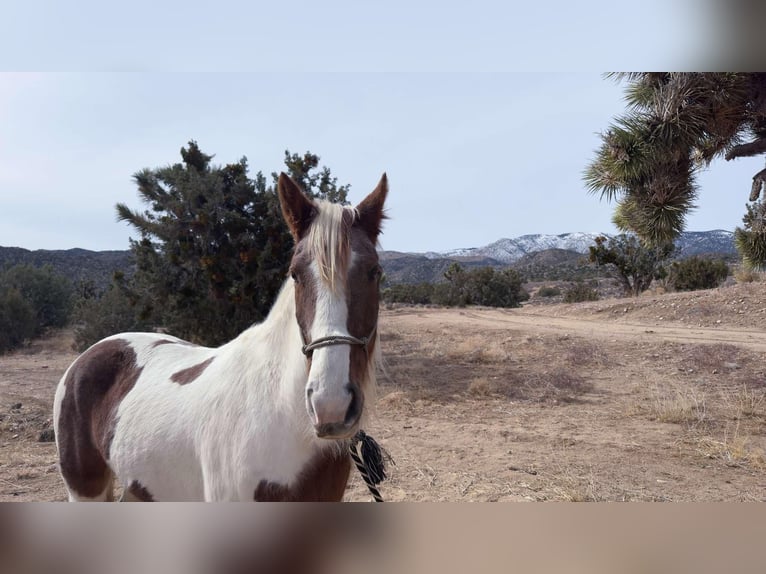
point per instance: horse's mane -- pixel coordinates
(329, 240)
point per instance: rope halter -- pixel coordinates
(332, 340)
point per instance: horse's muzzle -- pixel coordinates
(335, 415)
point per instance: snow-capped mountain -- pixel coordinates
(511, 250)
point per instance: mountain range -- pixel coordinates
(535, 256)
(509, 251)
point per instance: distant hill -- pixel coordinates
(417, 268)
(76, 264)
(535, 256)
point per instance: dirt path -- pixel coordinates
(539, 322)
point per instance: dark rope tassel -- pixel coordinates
(370, 460)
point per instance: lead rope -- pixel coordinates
(370, 460)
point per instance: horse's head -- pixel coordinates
(337, 275)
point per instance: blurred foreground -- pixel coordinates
(424, 538)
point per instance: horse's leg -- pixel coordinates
(128, 496)
(107, 495)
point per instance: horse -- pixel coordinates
(267, 416)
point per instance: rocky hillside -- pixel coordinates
(76, 264)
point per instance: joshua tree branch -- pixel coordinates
(758, 180)
(752, 148)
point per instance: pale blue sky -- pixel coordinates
(471, 158)
(442, 96)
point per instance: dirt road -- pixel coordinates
(535, 321)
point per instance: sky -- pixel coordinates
(447, 98)
(470, 157)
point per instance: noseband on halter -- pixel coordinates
(333, 340)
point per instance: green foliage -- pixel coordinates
(417, 294)
(697, 273)
(547, 291)
(493, 288)
(31, 300)
(49, 294)
(629, 261)
(100, 317)
(750, 240)
(214, 250)
(675, 124)
(17, 319)
(579, 292)
(483, 286)
(455, 292)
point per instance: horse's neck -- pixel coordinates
(269, 354)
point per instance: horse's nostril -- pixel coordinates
(354, 407)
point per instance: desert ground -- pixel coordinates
(656, 398)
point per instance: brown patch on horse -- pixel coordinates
(139, 492)
(186, 376)
(370, 210)
(363, 301)
(298, 210)
(323, 479)
(305, 291)
(95, 385)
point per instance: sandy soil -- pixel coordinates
(659, 398)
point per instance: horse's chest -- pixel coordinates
(322, 478)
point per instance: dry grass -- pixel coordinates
(686, 406)
(743, 275)
(476, 349)
(733, 448)
(571, 487)
(745, 402)
(481, 387)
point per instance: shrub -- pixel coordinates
(49, 294)
(485, 286)
(579, 292)
(17, 319)
(97, 318)
(548, 291)
(697, 273)
(418, 294)
(744, 275)
(31, 300)
(631, 262)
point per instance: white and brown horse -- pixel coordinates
(266, 416)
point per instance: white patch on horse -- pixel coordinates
(329, 372)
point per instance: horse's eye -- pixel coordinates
(294, 275)
(375, 273)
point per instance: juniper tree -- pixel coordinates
(213, 249)
(631, 262)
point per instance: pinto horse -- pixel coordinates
(267, 416)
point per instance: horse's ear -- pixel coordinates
(371, 214)
(297, 209)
